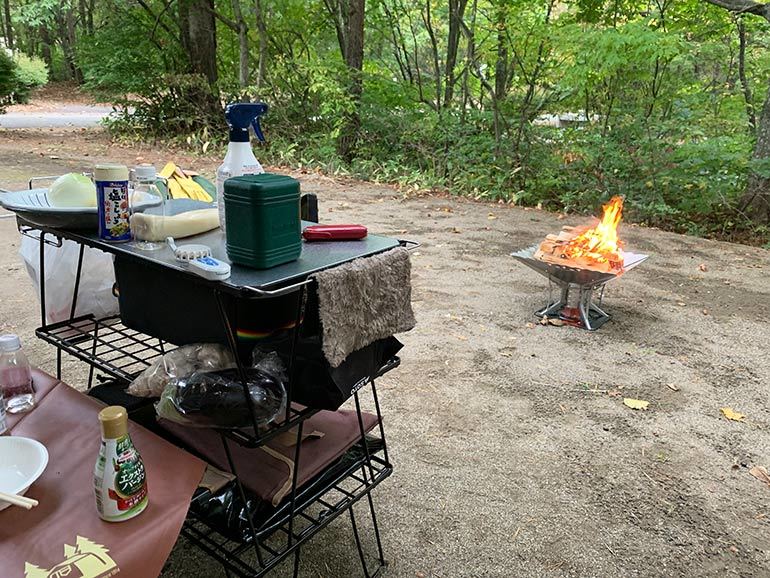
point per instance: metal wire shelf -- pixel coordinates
(277, 539)
(105, 344)
(108, 346)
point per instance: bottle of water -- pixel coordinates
(3, 421)
(15, 376)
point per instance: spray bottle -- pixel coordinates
(240, 159)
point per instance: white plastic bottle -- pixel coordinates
(240, 159)
(120, 481)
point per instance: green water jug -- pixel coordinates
(262, 220)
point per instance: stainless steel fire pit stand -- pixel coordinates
(586, 312)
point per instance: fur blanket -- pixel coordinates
(363, 301)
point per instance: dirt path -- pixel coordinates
(512, 459)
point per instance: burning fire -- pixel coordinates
(600, 243)
(597, 248)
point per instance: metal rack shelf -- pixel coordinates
(105, 344)
(108, 346)
(278, 537)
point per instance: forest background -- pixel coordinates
(533, 102)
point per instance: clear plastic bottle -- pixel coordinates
(143, 182)
(15, 376)
(3, 421)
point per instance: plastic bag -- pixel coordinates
(96, 280)
(216, 398)
(180, 363)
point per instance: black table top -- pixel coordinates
(315, 257)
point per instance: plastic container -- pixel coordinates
(263, 220)
(120, 482)
(15, 376)
(144, 179)
(112, 202)
(334, 232)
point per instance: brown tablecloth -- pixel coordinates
(64, 536)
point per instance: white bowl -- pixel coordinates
(22, 460)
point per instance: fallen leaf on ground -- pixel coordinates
(760, 472)
(530, 325)
(614, 393)
(731, 414)
(551, 321)
(703, 267)
(635, 403)
(491, 216)
(672, 387)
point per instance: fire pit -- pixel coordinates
(580, 262)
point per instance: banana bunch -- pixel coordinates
(187, 184)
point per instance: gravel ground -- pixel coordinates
(514, 453)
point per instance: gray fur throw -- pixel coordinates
(363, 301)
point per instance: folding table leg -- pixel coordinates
(358, 544)
(380, 552)
(242, 494)
(296, 563)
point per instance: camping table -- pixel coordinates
(63, 535)
(91, 340)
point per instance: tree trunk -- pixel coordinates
(90, 17)
(755, 202)
(66, 24)
(456, 15)
(262, 35)
(71, 41)
(501, 65)
(45, 47)
(742, 75)
(199, 37)
(83, 14)
(243, 45)
(354, 59)
(8, 27)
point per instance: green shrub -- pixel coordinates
(7, 78)
(31, 72)
(173, 105)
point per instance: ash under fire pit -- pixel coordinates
(580, 262)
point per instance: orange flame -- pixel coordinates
(600, 243)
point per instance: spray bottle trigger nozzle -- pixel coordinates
(258, 130)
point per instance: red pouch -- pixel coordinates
(334, 232)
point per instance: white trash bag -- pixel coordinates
(61, 265)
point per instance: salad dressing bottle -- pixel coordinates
(120, 483)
